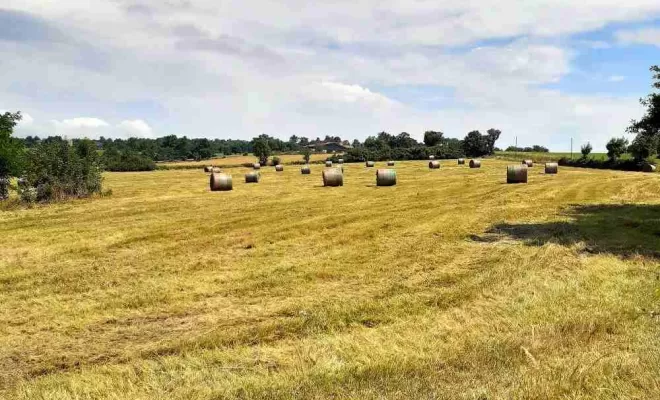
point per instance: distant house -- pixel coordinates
(330, 147)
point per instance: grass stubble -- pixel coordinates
(451, 284)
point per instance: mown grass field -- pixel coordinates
(451, 284)
(237, 160)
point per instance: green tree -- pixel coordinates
(586, 150)
(474, 144)
(261, 150)
(643, 147)
(492, 135)
(11, 151)
(616, 147)
(433, 138)
(306, 153)
(647, 128)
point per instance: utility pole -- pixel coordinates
(571, 148)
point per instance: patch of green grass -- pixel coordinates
(451, 284)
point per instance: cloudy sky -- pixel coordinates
(543, 71)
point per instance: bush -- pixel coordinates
(586, 150)
(616, 147)
(275, 160)
(622, 165)
(56, 170)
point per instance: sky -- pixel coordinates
(541, 71)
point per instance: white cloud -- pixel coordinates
(649, 36)
(81, 122)
(616, 78)
(135, 128)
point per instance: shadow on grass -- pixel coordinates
(622, 230)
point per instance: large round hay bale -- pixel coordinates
(252, 177)
(475, 163)
(328, 164)
(461, 161)
(434, 164)
(431, 157)
(279, 168)
(333, 177)
(369, 164)
(516, 174)
(256, 166)
(551, 168)
(220, 182)
(208, 168)
(305, 170)
(528, 163)
(385, 177)
(390, 163)
(340, 161)
(648, 168)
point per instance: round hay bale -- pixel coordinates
(340, 161)
(256, 166)
(385, 177)
(333, 177)
(390, 163)
(551, 168)
(431, 157)
(252, 177)
(216, 170)
(475, 163)
(279, 168)
(305, 170)
(528, 163)
(648, 168)
(369, 164)
(434, 164)
(328, 164)
(516, 174)
(208, 168)
(221, 182)
(461, 161)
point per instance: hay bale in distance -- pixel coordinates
(385, 177)
(221, 182)
(252, 177)
(279, 168)
(390, 163)
(516, 173)
(431, 157)
(333, 177)
(340, 161)
(461, 161)
(528, 163)
(551, 168)
(434, 164)
(208, 168)
(475, 163)
(256, 166)
(369, 164)
(328, 164)
(648, 168)
(216, 170)
(305, 170)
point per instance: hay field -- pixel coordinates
(236, 160)
(451, 284)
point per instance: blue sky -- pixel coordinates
(544, 71)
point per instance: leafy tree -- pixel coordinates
(474, 144)
(616, 147)
(647, 129)
(356, 143)
(492, 136)
(586, 150)
(261, 150)
(433, 138)
(306, 153)
(643, 147)
(11, 151)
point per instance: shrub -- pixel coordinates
(127, 161)
(56, 170)
(275, 160)
(586, 150)
(622, 165)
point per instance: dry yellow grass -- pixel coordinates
(235, 160)
(451, 284)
